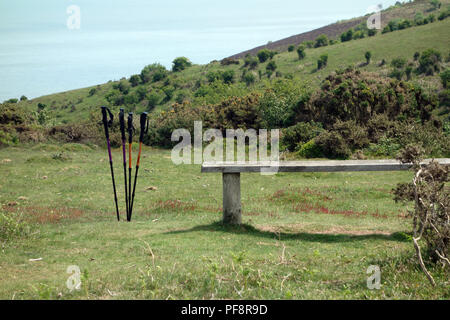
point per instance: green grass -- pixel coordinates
(306, 236)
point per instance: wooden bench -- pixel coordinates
(231, 175)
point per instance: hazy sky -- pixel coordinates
(119, 37)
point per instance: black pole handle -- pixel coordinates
(122, 123)
(107, 123)
(130, 127)
(144, 126)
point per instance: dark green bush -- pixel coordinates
(300, 133)
(430, 62)
(445, 78)
(322, 62)
(321, 41)
(333, 145)
(301, 52)
(310, 150)
(180, 63)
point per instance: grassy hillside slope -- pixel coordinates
(403, 11)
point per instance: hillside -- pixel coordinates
(333, 31)
(75, 105)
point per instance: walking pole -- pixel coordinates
(107, 124)
(124, 149)
(130, 145)
(144, 130)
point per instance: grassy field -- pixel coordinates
(306, 236)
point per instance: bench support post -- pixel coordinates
(232, 198)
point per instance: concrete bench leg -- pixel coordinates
(232, 198)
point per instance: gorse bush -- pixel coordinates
(430, 62)
(12, 227)
(180, 63)
(430, 194)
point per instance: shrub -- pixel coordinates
(333, 146)
(249, 78)
(301, 52)
(135, 80)
(445, 78)
(251, 62)
(356, 95)
(359, 35)
(430, 62)
(228, 76)
(404, 24)
(157, 72)
(13, 227)
(347, 36)
(310, 150)
(264, 55)
(322, 62)
(153, 100)
(271, 66)
(296, 135)
(416, 56)
(419, 19)
(435, 4)
(321, 41)
(229, 61)
(398, 63)
(12, 100)
(309, 44)
(368, 56)
(291, 48)
(431, 199)
(372, 32)
(23, 98)
(92, 92)
(180, 64)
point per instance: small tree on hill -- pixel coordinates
(430, 62)
(180, 63)
(435, 4)
(291, 48)
(263, 55)
(368, 56)
(271, 66)
(322, 62)
(301, 52)
(321, 41)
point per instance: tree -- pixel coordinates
(153, 73)
(321, 41)
(398, 63)
(347, 36)
(251, 62)
(445, 78)
(372, 32)
(23, 98)
(271, 66)
(249, 78)
(368, 56)
(180, 63)
(228, 76)
(135, 80)
(436, 4)
(322, 62)
(430, 62)
(264, 55)
(301, 52)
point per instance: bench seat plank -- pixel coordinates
(313, 166)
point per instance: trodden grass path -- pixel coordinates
(306, 236)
